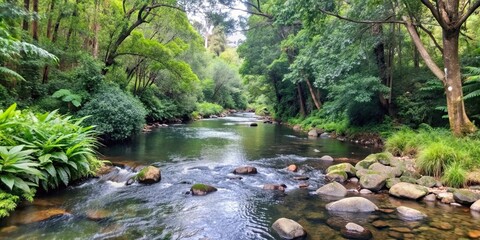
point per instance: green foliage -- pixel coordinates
(455, 175)
(435, 157)
(206, 109)
(68, 97)
(157, 109)
(116, 115)
(8, 203)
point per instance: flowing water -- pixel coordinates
(207, 152)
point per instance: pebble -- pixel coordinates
(442, 225)
(395, 235)
(456, 204)
(401, 229)
(380, 224)
(365, 191)
(474, 234)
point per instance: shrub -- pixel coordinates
(157, 109)
(116, 115)
(455, 175)
(207, 109)
(435, 157)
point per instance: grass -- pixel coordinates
(206, 109)
(438, 153)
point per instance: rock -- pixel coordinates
(446, 197)
(332, 189)
(338, 176)
(292, 168)
(442, 225)
(313, 133)
(303, 185)
(345, 167)
(373, 182)
(401, 229)
(395, 235)
(8, 229)
(384, 157)
(39, 216)
(201, 189)
(410, 213)
(297, 128)
(245, 170)
(408, 190)
(288, 229)
(234, 177)
(301, 178)
(104, 170)
(98, 214)
(365, 191)
(352, 204)
(455, 204)
(390, 171)
(149, 175)
(391, 181)
(325, 135)
(430, 198)
(365, 164)
(474, 234)
(427, 181)
(465, 197)
(355, 231)
(353, 180)
(253, 124)
(327, 158)
(380, 224)
(411, 174)
(280, 187)
(475, 206)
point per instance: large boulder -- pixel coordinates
(345, 167)
(332, 189)
(245, 170)
(355, 231)
(373, 182)
(201, 189)
(365, 164)
(408, 190)
(313, 133)
(390, 171)
(465, 197)
(391, 181)
(352, 204)
(427, 181)
(410, 213)
(384, 157)
(475, 206)
(327, 158)
(149, 175)
(288, 229)
(338, 176)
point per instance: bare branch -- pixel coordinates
(252, 12)
(467, 14)
(430, 34)
(435, 13)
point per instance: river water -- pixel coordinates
(206, 152)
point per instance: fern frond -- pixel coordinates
(11, 73)
(473, 94)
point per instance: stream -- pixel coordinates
(207, 151)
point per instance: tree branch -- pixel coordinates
(361, 21)
(430, 34)
(252, 12)
(435, 13)
(468, 13)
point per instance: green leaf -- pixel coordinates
(60, 155)
(8, 180)
(51, 170)
(19, 183)
(63, 175)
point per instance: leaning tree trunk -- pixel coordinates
(460, 124)
(301, 100)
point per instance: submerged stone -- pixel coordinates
(332, 189)
(288, 229)
(201, 189)
(352, 204)
(149, 175)
(245, 170)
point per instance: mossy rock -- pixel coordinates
(427, 181)
(383, 157)
(390, 171)
(200, 189)
(391, 181)
(411, 174)
(373, 182)
(465, 197)
(365, 164)
(363, 172)
(337, 175)
(149, 175)
(345, 167)
(408, 179)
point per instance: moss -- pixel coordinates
(201, 187)
(345, 167)
(141, 174)
(365, 164)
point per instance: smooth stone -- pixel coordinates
(446, 197)
(336, 223)
(395, 235)
(373, 182)
(202, 189)
(39, 216)
(288, 229)
(475, 206)
(455, 204)
(301, 178)
(327, 158)
(332, 189)
(391, 181)
(279, 187)
(97, 215)
(8, 229)
(401, 229)
(337, 176)
(149, 175)
(303, 185)
(430, 198)
(313, 133)
(442, 225)
(292, 168)
(380, 224)
(344, 167)
(352, 204)
(408, 190)
(365, 191)
(390, 171)
(465, 197)
(427, 181)
(245, 170)
(474, 233)
(410, 213)
(355, 231)
(353, 180)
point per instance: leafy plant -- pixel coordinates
(17, 170)
(207, 109)
(68, 97)
(455, 175)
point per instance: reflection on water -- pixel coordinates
(207, 152)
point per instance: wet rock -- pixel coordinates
(332, 189)
(365, 191)
(455, 204)
(475, 206)
(465, 197)
(391, 181)
(407, 179)
(301, 178)
(245, 170)
(355, 231)
(201, 189)
(380, 224)
(353, 180)
(474, 234)
(338, 176)
(98, 214)
(386, 210)
(336, 223)
(352, 204)
(395, 235)
(279, 187)
(342, 159)
(42, 215)
(292, 168)
(442, 225)
(326, 158)
(390, 171)
(297, 128)
(8, 229)
(408, 190)
(313, 133)
(365, 164)
(411, 174)
(253, 124)
(410, 213)
(105, 169)
(149, 175)
(401, 229)
(446, 197)
(373, 182)
(427, 181)
(288, 229)
(303, 185)
(430, 198)
(234, 177)
(345, 167)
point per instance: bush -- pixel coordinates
(207, 109)
(434, 158)
(157, 109)
(116, 115)
(455, 175)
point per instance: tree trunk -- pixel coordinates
(26, 5)
(317, 103)
(35, 21)
(301, 100)
(460, 124)
(49, 21)
(96, 29)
